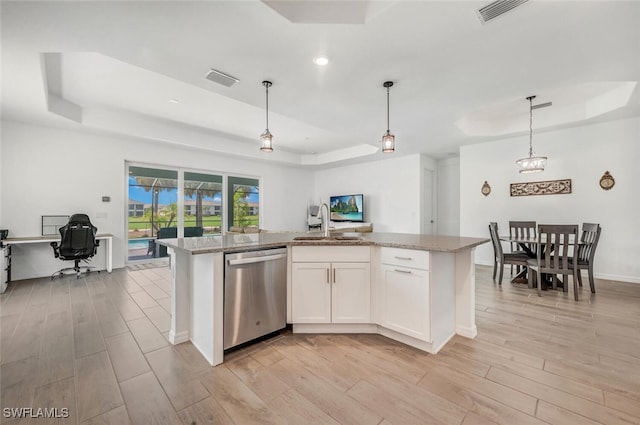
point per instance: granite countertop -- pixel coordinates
(253, 241)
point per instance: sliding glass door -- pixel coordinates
(152, 206)
(243, 202)
(171, 203)
(202, 204)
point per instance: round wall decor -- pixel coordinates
(486, 189)
(607, 181)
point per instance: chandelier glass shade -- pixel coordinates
(531, 164)
(266, 138)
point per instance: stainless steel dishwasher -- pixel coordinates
(255, 294)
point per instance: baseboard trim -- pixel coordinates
(177, 338)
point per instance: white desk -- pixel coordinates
(107, 237)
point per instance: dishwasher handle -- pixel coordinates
(252, 260)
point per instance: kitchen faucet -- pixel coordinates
(325, 219)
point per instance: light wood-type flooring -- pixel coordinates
(97, 347)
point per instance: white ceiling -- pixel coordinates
(115, 66)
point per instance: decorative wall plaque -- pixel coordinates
(551, 187)
(607, 181)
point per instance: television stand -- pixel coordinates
(350, 226)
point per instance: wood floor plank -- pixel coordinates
(559, 398)
(27, 336)
(55, 360)
(126, 357)
(556, 415)
(109, 318)
(58, 399)
(159, 317)
(148, 402)
(146, 335)
(154, 291)
(97, 390)
(329, 399)
(296, 409)
(178, 380)
(128, 309)
(205, 412)
(259, 378)
(17, 383)
(117, 416)
(393, 408)
(143, 300)
(242, 404)
(87, 339)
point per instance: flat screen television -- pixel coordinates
(347, 208)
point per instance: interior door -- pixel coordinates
(428, 203)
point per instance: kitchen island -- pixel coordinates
(417, 289)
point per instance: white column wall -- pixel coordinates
(47, 171)
(449, 196)
(582, 154)
(391, 188)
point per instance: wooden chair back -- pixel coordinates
(590, 237)
(495, 240)
(557, 248)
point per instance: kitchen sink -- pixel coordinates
(327, 238)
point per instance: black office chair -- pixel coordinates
(78, 244)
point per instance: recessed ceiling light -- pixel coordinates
(174, 101)
(320, 60)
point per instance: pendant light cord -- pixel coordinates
(387, 109)
(531, 126)
(267, 87)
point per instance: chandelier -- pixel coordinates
(532, 164)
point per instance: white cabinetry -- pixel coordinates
(404, 302)
(331, 284)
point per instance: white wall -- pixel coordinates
(448, 171)
(391, 188)
(52, 171)
(582, 154)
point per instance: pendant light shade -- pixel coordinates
(266, 138)
(532, 164)
(388, 139)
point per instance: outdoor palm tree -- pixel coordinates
(201, 190)
(155, 186)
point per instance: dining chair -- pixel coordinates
(556, 254)
(500, 258)
(587, 251)
(521, 229)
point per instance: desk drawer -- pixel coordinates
(412, 258)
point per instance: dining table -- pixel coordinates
(527, 245)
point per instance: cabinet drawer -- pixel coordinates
(413, 258)
(331, 253)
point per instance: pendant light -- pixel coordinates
(532, 164)
(388, 140)
(266, 137)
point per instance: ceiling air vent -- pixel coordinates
(221, 78)
(497, 8)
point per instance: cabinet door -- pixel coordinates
(311, 292)
(405, 301)
(351, 293)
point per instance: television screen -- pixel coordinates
(347, 208)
